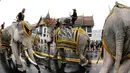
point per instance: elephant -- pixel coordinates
(116, 40)
(18, 37)
(75, 57)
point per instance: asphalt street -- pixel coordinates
(4, 69)
(90, 68)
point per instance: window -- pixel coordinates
(89, 29)
(40, 30)
(45, 41)
(44, 35)
(44, 30)
(41, 41)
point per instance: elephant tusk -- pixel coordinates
(38, 55)
(30, 58)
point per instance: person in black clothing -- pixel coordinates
(2, 26)
(57, 24)
(67, 22)
(20, 16)
(74, 16)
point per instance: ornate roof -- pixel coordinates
(47, 16)
(85, 21)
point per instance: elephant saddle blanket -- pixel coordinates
(5, 39)
(67, 37)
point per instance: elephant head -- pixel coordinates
(21, 40)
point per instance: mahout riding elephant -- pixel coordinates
(71, 45)
(116, 40)
(18, 38)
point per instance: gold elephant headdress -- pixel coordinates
(26, 28)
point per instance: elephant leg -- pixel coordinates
(81, 50)
(82, 45)
(63, 63)
(56, 53)
(125, 66)
(16, 53)
(107, 64)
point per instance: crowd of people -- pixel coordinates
(95, 45)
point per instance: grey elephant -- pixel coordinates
(72, 51)
(18, 37)
(116, 40)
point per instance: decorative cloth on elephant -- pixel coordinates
(68, 46)
(5, 39)
(66, 38)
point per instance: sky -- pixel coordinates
(57, 8)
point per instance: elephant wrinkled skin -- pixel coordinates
(116, 35)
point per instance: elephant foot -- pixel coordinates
(22, 72)
(20, 68)
(84, 62)
(103, 70)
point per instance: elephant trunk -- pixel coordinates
(119, 49)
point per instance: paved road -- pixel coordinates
(32, 69)
(91, 68)
(4, 69)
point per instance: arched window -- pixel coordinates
(44, 30)
(41, 41)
